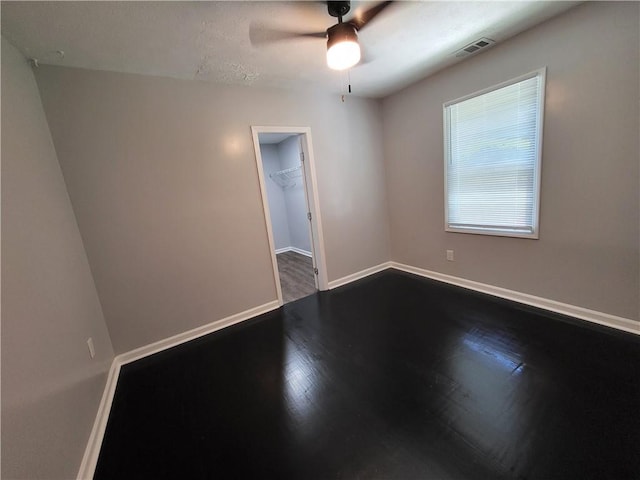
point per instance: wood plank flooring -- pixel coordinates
(296, 276)
(391, 377)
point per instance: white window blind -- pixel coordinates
(492, 159)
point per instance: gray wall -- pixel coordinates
(294, 197)
(50, 386)
(163, 181)
(587, 254)
(275, 196)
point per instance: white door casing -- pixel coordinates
(313, 203)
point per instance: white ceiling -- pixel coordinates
(209, 41)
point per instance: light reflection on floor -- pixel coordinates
(300, 384)
(487, 396)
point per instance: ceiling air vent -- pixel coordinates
(474, 47)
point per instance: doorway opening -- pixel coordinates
(286, 170)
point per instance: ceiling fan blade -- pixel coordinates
(260, 34)
(360, 21)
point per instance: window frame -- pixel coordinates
(537, 173)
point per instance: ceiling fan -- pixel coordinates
(343, 49)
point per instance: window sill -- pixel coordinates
(494, 233)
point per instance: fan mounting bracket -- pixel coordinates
(338, 9)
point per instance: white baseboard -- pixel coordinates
(594, 316)
(161, 345)
(301, 252)
(90, 458)
(294, 249)
(358, 275)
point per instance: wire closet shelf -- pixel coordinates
(287, 178)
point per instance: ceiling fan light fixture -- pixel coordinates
(343, 55)
(343, 50)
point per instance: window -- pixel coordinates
(493, 143)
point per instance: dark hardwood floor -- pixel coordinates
(296, 276)
(391, 377)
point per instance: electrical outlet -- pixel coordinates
(450, 255)
(92, 349)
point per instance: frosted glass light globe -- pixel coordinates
(343, 55)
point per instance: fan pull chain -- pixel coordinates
(348, 79)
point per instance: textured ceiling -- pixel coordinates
(210, 41)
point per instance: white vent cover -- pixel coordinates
(475, 47)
